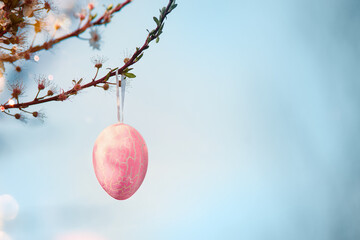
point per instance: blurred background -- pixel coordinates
(250, 110)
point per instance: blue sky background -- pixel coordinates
(250, 110)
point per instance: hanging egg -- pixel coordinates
(120, 159)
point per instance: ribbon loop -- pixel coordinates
(123, 86)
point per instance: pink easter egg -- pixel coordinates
(120, 159)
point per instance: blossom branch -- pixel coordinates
(92, 21)
(124, 70)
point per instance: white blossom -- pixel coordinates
(94, 40)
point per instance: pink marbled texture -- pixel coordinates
(120, 160)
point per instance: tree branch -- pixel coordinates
(154, 34)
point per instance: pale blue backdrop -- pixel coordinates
(250, 110)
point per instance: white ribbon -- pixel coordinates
(117, 95)
(123, 86)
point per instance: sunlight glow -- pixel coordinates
(9, 207)
(11, 102)
(4, 236)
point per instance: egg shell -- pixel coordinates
(120, 159)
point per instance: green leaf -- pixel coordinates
(162, 11)
(152, 32)
(139, 57)
(172, 7)
(130, 75)
(156, 20)
(161, 28)
(108, 75)
(157, 39)
(127, 70)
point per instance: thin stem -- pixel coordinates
(42, 97)
(25, 111)
(80, 23)
(97, 71)
(9, 114)
(54, 33)
(36, 97)
(81, 38)
(38, 9)
(115, 83)
(5, 48)
(32, 43)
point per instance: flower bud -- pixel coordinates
(15, 40)
(41, 85)
(47, 6)
(82, 17)
(77, 87)
(27, 56)
(62, 97)
(16, 92)
(91, 6)
(13, 50)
